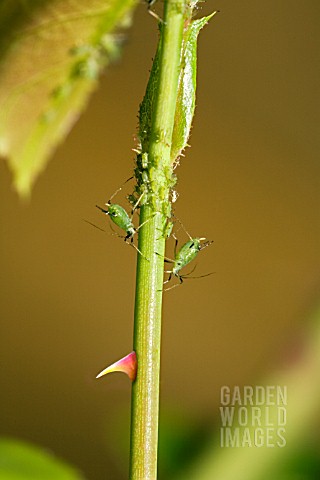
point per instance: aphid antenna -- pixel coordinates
(198, 276)
(189, 273)
(117, 191)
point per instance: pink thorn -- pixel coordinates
(126, 365)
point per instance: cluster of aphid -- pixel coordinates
(154, 185)
(182, 256)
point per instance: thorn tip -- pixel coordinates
(127, 364)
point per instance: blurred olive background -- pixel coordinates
(250, 182)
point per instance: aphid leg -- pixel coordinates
(131, 244)
(165, 259)
(175, 245)
(129, 241)
(116, 234)
(126, 238)
(169, 278)
(176, 285)
(136, 204)
(146, 221)
(117, 191)
(190, 238)
(152, 13)
(166, 230)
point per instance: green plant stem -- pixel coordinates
(148, 306)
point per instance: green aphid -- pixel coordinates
(141, 171)
(168, 229)
(144, 160)
(121, 218)
(185, 255)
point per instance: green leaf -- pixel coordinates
(187, 87)
(22, 461)
(51, 54)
